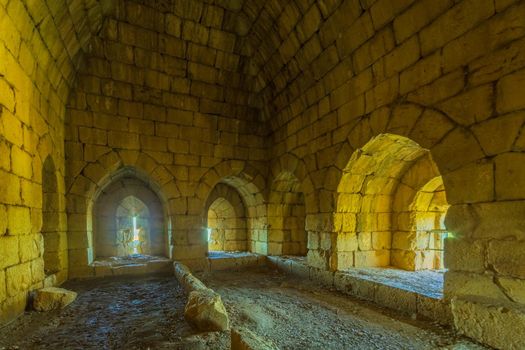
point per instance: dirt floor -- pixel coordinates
(113, 313)
(147, 313)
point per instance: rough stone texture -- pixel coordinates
(498, 324)
(227, 220)
(244, 339)
(51, 298)
(204, 308)
(206, 311)
(189, 94)
(383, 289)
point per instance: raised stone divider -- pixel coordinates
(244, 339)
(204, 308)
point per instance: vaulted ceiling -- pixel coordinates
(262, 37)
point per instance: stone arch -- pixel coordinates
(418, 212)
(429, 128)
(112, 231)
(135, 225)
(251, 186)
(226, 220)
(374, 201)
(87, 185)
(54, 242)
(427, 220)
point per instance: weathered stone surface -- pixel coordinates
(52, 298)
(206, 311)
(498, 324)
(176, 95)
(244, 339)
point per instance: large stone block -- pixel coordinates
(510, 184)
(18, 279)
(435, 309)
(9, 251)
(418, 16)
(456, 21)
(396, 299)
(206, 311)
(51, 298)
(19, 220)
(355, 286)
(498, 324)
(507, 257)
(465, 255)
(508, 97)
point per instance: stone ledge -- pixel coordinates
(405, 301)
(228, 261)
(244, 339)
(500, 324)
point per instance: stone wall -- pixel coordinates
(40, 49)
(187, 94)
(286, 217)
(163, 92)
(445, 74)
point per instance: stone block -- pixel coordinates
(9, 251)
(396, 299)
(435, 309)
(19, 220)
(422, 73)
(131, 269)
(12, 308)
(507, 257)
(465, 255)
(18, 279)
(470, 284)
(514, 288)
(206, 311)
(456, 21)
(51, 298)
(418, 16)
(498, 324)
(355, 286)
(508, 97)
(509, 182)
(300, 269)
(372, 258)
(322, 277)
(244, 339)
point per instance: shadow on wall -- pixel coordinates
(286, 217)
(54, 240)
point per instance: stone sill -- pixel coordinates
(362, 284)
